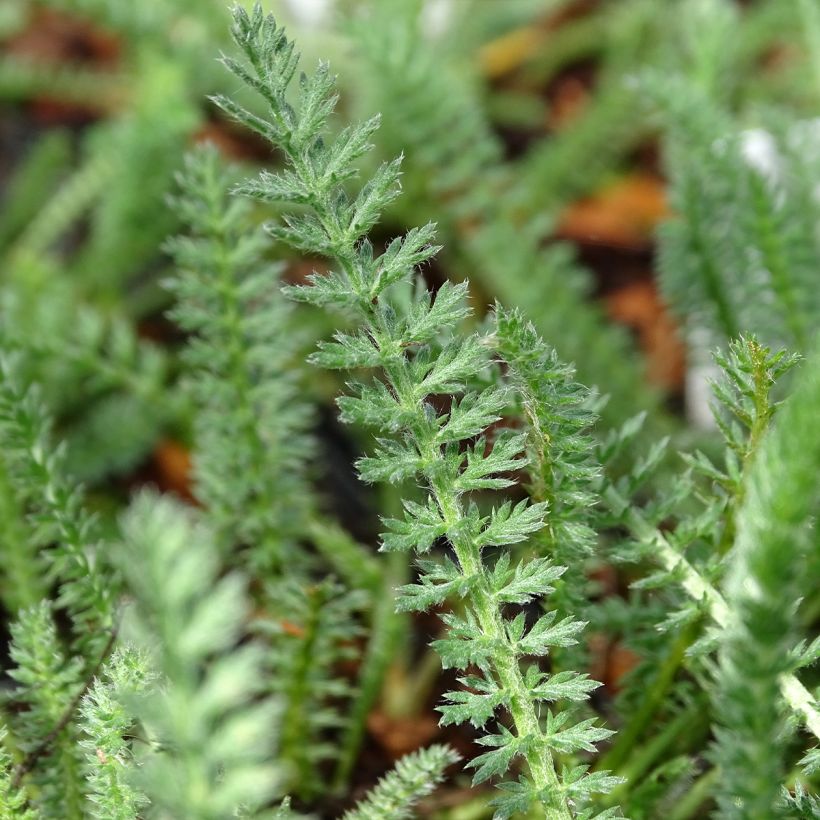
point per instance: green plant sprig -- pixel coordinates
(411, 338)
(212, 732)
(743, 406)
(107, 720)
(413, 777)
(56, 510)
(12, 796)
(562, 468)
(774, 562)
(313, 633)
(250, 439)
(47, 683)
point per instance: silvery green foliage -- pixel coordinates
(775, 562)
(212, 735)
(495, 227)
(562, 468)
(12, 798)
(740, 254)
(128, 375)
(412, 339)
(744, 403)
(312, 632)
(692, 534)
(23, 582)
(107, 721)
(800, 805)
(413, 777)
(739, 257)
(250, 440)
(46, 685)
(56, 512)
(96, 360)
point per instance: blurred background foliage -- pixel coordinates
(528, 132)
(548, 140)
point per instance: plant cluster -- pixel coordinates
(230, 650)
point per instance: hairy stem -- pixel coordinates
(799, 699)
(653, 700)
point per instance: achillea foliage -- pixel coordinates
(202, 662)
(212, 736)
(314, 631)
(740, 256)
(455, 173)
(55, 511)
(561, 468)
(413, 777)
(12, 799)
(47, 683)
(743, 406)
(410, 337)
(759, 659)
(250, 440)
(775, 563)
(107, 721)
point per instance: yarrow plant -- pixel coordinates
(412, 338)
(601, 628)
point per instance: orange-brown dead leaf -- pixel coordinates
(398, 736)
(233, 141)
(622, 214)
(511, 50)
(610, 660)
(224, 139)
(54, 37)
(568, 100)
(173, 462)
(640, 306)
(294, 630)
(620, 661)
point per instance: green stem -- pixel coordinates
(353, 561)
(697, 795)
(508, 672)
(77, 194)
(23, 580)
(293, 746)
(691, 722)
(653, 700)
(799, 699)
(410, 697)
(386, 630)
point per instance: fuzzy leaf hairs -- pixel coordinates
(423, 360)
